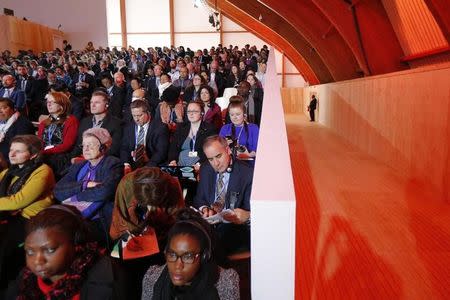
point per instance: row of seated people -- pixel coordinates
(63, 261)
(145, 205)
(82, 77)
(29, 96)
(175, 126)
(162, 137)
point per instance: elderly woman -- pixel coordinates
(25, 189)
(58, 131)
(90, 185)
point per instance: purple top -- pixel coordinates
(249, 140)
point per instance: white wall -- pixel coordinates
(81, 20)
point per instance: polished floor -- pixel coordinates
(363, 231)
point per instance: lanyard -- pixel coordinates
(51, 131)
(239, 135)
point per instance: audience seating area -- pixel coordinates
(147, 101)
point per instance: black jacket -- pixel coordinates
(105, 280)
(182, 132)
(156, 143)
(110, 123)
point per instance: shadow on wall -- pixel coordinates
(342, 118)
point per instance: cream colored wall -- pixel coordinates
(401, 119)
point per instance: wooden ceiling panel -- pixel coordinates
(285, 31)
(367, 31)
(441, 12)
(308, 19)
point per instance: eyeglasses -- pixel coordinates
(186, 258)
(193, 112)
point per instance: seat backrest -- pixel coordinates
(228, 92)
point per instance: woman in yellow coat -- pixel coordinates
(26, 188)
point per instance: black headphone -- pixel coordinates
(230, 166)
(102, 146)
(206, 255)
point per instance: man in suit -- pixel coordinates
(183, 81)
(152, 88)
(145, 141)
(312, 107)
(83, 81)
(217, 77)
(25, 82)
(117, 93)
(225, 184)
(12, 123)
(100, 117)
(10, 91)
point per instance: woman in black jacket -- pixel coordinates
(63, 262)
(186, 148)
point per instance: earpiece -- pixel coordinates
(102, 147)
(230, 167)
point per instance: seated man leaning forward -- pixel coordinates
(224, 188)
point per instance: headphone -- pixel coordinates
(102, 146)
(230, 166)
(206, 255)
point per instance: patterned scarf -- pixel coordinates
(68, 286)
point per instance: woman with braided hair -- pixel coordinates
(63, 262)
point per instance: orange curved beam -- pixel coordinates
(268, 35)
(321, 34)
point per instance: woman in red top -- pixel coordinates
(213, 113)
(58, 131)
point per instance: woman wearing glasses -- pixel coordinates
(186, 148)
(58, 131)
(190, 271)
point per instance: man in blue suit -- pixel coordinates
(225, 187)
(9, 90)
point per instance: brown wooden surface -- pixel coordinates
(17, 34)
(364, 231)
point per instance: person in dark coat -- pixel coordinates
(186, 148)
(312, 107)
(94, 180)
(13, 123)
(64, 262)
(145, 141)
